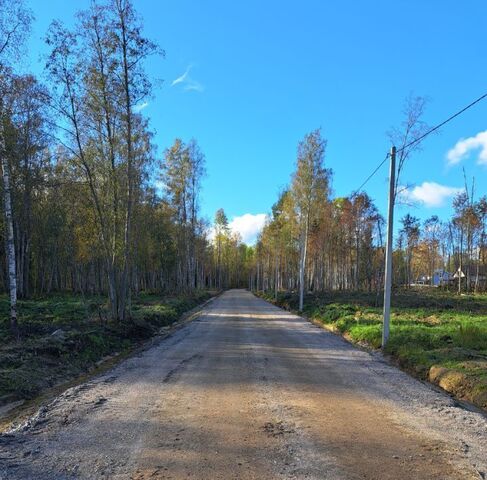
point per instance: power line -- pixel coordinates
(373, 173)
(449, 119)
(421, 137)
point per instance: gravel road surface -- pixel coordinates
(249, 391)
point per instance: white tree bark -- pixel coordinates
(302, 264)
(10, 253)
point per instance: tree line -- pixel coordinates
(313, 242)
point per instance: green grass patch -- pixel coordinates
(429, 327)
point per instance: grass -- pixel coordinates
(431, 331)
(83, 337)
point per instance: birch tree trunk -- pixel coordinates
(10, 241)
(302, 265)
(276, 279)
(124, 287)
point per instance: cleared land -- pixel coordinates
(64, 336)
(435, 334)
(250, 391)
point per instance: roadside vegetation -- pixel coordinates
(66, 335)
(435, 335)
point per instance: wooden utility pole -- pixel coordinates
(388, 269)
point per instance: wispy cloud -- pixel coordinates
(182, 78)
(194, 85)
(138, 108)
(465, 146)
(429, 194)
(187, 82)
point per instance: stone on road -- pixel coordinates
(249, 391)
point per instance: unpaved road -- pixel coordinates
(249, 391)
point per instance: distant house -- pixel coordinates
(442, 277)
(470, 274)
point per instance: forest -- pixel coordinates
(90, 205)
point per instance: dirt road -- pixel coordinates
(249, 391)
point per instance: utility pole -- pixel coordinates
(388, 269)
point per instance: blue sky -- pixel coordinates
(259, 75)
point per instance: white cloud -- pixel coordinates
(187, 82)
(465, 146)
(248, 226)
(182, 78)
(194, 85)
(429, 194)
(138, 108)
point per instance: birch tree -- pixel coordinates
(410, 230)
(182, 171)
(15, 22)
(131, 48)
(222, 232)
(310, 187)
(98, 76)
